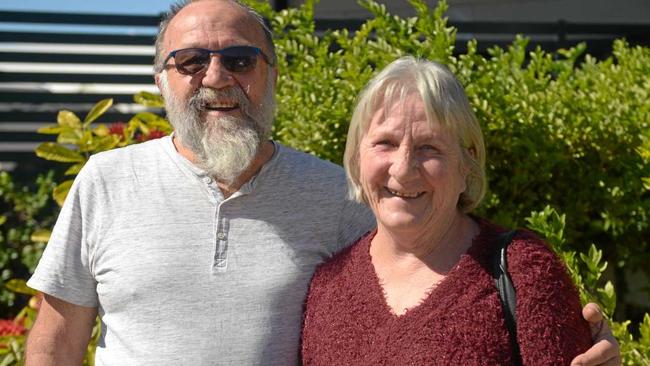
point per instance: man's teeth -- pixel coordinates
(404, 194)
(220, 105)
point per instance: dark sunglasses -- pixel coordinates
(189, 61)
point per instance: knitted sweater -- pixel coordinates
(348, 322)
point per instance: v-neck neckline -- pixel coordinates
(437, 290)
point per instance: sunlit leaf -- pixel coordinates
(50, 130)
(69, 136)
(87, 142)
(75, 169)
(61, 192)
(644, 330)
(101, 130)
(107, 143)
(9, 358)
(646, 182)
(137, 124)
(41, 236)
(149, 99)
(97, 110)
(20, 286)
(56, 152)
(69, 119)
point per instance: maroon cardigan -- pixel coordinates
(347, 320)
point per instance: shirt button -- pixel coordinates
(221, 236)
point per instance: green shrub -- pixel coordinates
(87, 140)
(586, 270)
(561, 128)
(24, 217)
(76, 141)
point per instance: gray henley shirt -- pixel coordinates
(182, 276)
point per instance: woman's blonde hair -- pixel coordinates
(445, 102)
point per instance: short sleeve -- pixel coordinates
(64, 270)
(355, 220)
(550, 327)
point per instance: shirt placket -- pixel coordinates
(220, 263)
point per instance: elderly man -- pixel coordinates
(197, 249)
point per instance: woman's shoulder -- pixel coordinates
(550, 327)
(346, 262)
(525, 245)
(532, 254)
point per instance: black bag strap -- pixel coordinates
(507, 291)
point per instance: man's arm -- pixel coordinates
(605, 350)
(60, 334)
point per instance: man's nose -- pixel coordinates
(216, 76)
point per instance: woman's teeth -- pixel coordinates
(405, 194)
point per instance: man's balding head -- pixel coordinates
(176, 8)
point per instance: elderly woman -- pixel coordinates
(419, 289)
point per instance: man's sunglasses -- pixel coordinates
(189, 61)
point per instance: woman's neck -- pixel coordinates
(437, 248)
(409, 272)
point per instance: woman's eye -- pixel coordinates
(428, 148)
(384, 143)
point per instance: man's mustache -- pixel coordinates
(205, 96)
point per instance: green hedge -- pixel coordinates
(563, 130)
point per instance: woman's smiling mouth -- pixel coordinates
(407, 195)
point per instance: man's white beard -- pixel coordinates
(225, 146)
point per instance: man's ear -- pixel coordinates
(156, 78)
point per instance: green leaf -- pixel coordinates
(50, 130)
(20, 286)
(644, 330)
(101, 130)
(75, 169)
(69, 136)
(41, 236)
(68, 119)
(87, 142)
(646, 182)
(149, 99)
(3, 219)
(136, 124)
(97, 110)
(9, 359)
(56, 152)
(61, 191)
(608, 298)
(106, 143)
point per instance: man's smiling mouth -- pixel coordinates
(223, 106)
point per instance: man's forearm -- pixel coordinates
(44, 350)
(60, 334)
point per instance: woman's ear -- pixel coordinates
(468, 155)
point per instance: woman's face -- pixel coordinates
(410, 172)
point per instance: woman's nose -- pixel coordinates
(404, 164)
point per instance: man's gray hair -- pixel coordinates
(175, 8)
